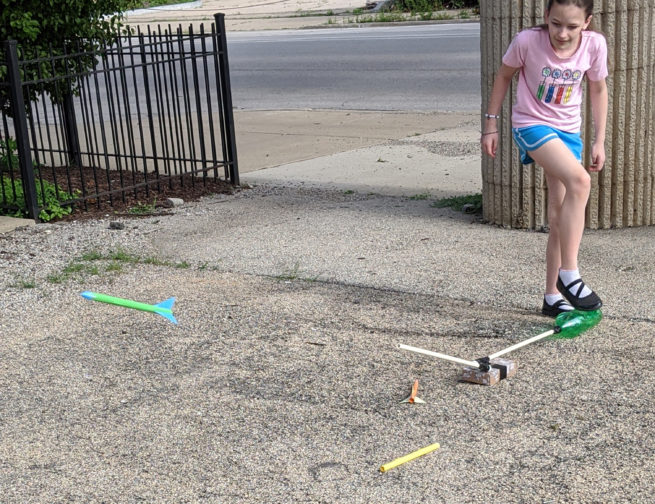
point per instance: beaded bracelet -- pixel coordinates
(492, 116)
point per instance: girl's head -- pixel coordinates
(565, 20)
(586, 5)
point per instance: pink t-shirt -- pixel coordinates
(550, 88)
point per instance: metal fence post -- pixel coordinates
(70, 130)
(226, 93)
(20, 126)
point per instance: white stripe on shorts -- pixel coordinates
(538, 142)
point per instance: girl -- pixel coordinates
(552, 60)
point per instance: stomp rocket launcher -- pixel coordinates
(491, 369)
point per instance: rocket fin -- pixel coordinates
(168, 305)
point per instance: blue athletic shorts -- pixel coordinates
(532, 137)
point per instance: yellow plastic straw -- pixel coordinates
(407, 458)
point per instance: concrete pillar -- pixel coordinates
(623, 194)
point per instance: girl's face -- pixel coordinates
(565, 24)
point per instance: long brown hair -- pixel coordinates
(586, 5)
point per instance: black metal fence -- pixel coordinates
(149, 110)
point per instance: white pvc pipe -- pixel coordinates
(522, 344)
(441, 356)
(476, 364)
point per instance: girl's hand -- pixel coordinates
(489, 143)
(597, 157)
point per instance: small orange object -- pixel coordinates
(412, 396)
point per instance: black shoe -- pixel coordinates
(587, 303)
(555, 309)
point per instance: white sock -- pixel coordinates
(551, 299)
(569, 276)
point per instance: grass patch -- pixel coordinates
(123, 256)
(294, 274)
(380, 17)
(114, 267)
(22, 283)
(93, 263)
(73, 270)
(142, 208)
(291, 274)
(91, 256)
(56, 278)
(154, 261)
(470, 204)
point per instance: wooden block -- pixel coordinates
(500, 369)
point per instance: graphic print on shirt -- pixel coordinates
(560, 86)
(566, 75)
(545, 73)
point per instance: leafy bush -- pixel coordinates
(471, 203)
(54, 28)
(53, 209)
(8, 157)
(11, 191)
(432, 5)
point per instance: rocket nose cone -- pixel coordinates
(87, 295)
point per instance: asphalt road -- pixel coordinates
(423, 68)
(433, 68)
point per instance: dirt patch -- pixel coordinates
(101, 192)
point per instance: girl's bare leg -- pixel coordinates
(556, 192)
(560, 164)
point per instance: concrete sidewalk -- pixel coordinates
(248, 15)
(253, 15)
(8, 224)
(390, 153)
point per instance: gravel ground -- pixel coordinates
(282, 381)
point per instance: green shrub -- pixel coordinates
(8, 156)
(471, 203)
(12, 194)
(48, 194)
(415, 6)
(54, 28)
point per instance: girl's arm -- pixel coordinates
(598, 95)
(489, 137)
